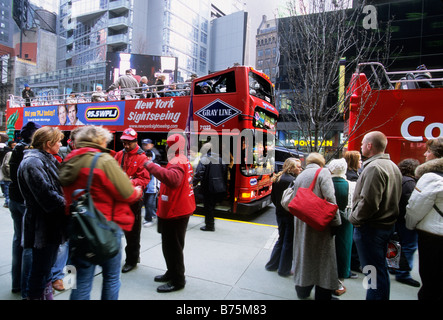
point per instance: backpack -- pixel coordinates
(92, 237)
(4, 171)
(215, 177)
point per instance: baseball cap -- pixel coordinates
(129, 134)
(146, 141)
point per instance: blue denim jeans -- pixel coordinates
(282, 253)
(60, 262)
(5, 189)
(150, 206)
(409, 244)
(21, 258)
(372, 246)
(85, 276)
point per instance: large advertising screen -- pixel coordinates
(142, 65)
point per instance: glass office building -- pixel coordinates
(90, 29)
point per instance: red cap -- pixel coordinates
(129, 134)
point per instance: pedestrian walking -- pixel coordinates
(112, 193)
(44, 224)
(424, 213)
(314, 251)
(375, 211)
(282, 253)
(212, 173)
(176, 204)
(21, 257)
(131, 160)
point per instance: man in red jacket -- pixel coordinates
(131, 160)
(176, 204)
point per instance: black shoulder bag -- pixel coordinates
(92, 237)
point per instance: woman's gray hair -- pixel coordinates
(95, 134)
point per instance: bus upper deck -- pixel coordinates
(405, 105)
(234, 106)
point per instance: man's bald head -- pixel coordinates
(373, 143)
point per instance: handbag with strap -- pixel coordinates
(287, 196)
(92, 237)
(311, 209)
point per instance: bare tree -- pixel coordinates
(314, 40)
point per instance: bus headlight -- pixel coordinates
(247, 195)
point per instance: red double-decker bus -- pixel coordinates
(234, 107)
(405, 105)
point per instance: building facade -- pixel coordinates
(91, 29)
(416, 38)
(267, 54)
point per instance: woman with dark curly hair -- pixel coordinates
(434, 149)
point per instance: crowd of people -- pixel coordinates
(377, 201)
(120, 186)
(128, 88)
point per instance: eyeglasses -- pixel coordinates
(128, 143)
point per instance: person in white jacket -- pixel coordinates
(425, 214)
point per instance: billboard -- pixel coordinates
(141, 65)
(153, 115)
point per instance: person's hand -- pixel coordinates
(139, 192)
(147, 163)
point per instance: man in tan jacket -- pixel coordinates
(375, 211)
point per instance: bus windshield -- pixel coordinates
(264, 119)
(261, 88)
(261, 159)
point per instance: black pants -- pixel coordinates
(173, 233)
(42, 261)
(430, 265)
(132, 248)
(320, 293)
(210, 200)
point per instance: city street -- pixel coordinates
(227, 264)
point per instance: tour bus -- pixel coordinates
(234, 109)
(405, 105)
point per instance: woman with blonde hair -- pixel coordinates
(314, 251)
(44, 220)
(281, 256)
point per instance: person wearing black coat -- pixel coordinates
(282, 253)
(21, 258)
(27, 94)
(212, 173)
(44, 222)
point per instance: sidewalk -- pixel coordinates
(227, 264)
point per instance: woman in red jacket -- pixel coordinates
(176, 204)
(112, 193)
